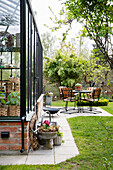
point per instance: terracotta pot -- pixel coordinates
(78, 87)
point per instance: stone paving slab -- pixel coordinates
(104, 113)
(13, 160)
(40, 159)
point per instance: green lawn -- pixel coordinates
(108, 108)
(94, 138)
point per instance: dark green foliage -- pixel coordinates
(96, 103)
(66, 70)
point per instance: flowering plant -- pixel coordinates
(47, 127)
(45, 124)
(48, 93)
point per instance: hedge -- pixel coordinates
(96, 103)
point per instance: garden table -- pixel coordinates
(81, 92)
(80, 109)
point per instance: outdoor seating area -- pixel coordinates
(90, 95)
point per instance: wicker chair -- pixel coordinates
(60, 90)
(94, 97)
(68, 96)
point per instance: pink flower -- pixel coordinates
(46, 122)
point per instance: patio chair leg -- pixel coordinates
(74, 104)
(66, 105)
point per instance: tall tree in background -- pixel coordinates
(48, 42)
(96, 16)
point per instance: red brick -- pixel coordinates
(25, 135)
(14, 123)
(9, 141)
(18, 147)
(26, 123)
(3, 147)
(18, 135)
(15, 147)
(8, 129)
(15, 135)
(3, 123)
(26, 147)
(25, 141)
(19, 129)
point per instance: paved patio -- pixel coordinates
(58, 154)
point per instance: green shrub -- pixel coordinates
(96, 103)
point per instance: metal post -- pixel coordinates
(23, 58)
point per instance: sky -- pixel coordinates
(44, 14)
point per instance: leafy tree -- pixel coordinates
(97, 71)
(96, 16)
(66, 70)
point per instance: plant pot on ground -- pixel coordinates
(58, 140)
(13, 101)
(3, 106)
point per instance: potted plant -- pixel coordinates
(48, 98)
(58, 140)
(78, 86)
(13, 100)
(47, 132)
(3, 106)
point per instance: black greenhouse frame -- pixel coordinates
(32, 78)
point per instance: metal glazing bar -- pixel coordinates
(28, 68)
(2, 6)
(37, 79)
(30, 62)
(11, 63)
(34, 71)
(11, 6)
(13, 2)
(41, 69)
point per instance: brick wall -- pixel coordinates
(13, 142)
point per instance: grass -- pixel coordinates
(108, 108)
(94, 139)
(61, 103)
